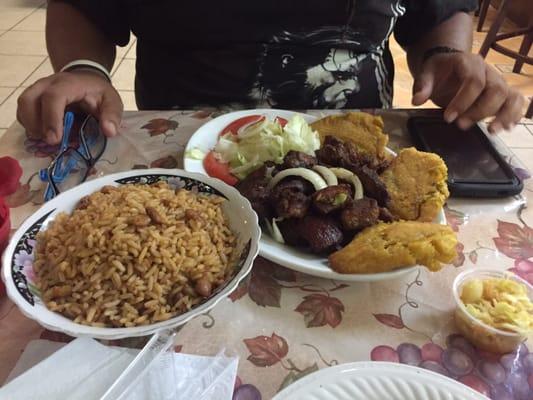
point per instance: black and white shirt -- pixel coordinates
(294, 54)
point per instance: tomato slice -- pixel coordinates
(281, 121)
(239, 123)
(218, 169)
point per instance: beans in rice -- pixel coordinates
(134, 255)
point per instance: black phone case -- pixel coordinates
(474, 189)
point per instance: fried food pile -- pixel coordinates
(373, 216)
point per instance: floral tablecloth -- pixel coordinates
(284, 325)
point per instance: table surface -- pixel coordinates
(282, 324)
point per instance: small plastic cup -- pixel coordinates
(477, 332)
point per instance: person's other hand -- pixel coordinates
(41, 107)
(469, 90)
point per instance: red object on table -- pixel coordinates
(10, 173)
(5, 227)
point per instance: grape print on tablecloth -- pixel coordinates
(524, 269)
(499, 377)
(516, 242)
(245, 391)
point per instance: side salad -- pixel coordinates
(247, 143)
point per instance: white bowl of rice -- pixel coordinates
(131, 253)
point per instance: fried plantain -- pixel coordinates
(362, 129)
(386, 247)
(416, 183)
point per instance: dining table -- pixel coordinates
(283, 324)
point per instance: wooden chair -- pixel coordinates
(481, 13)
(493, 37)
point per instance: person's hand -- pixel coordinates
(41, 107)
(469, 90)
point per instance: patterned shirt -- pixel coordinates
(294, 54)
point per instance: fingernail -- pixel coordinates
(111, 128)
(450, 116)
(464, 123)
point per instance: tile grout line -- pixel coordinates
(118, 66)
(20, 86)
(134, 43)
(122, 60)
(5, 100)
(32, 72)
(8, 96)
(27, 16)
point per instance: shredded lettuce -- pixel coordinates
(265, 141)
(195, 154)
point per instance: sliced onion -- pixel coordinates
(329, 176)
(274, 231)
(349, 176)
(316, 180)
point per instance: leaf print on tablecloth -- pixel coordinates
(266, 351)
(139, 166)
(460, 259)
(293, 376)
(201, 114)
(321, 309)
(472, 256)
(240, 291)
(164, 162)
(160, 126)
(514, 241)
(454, 218)
(281, 273)
(391, 320)
(264, 288)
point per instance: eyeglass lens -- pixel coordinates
(93, 140)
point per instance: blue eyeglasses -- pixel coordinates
(72, 165)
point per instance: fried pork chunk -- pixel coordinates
(416, 184)
(385, 247)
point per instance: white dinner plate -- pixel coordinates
(205, 139)
(17, 261)
(377, 381)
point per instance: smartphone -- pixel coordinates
(475, 167)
